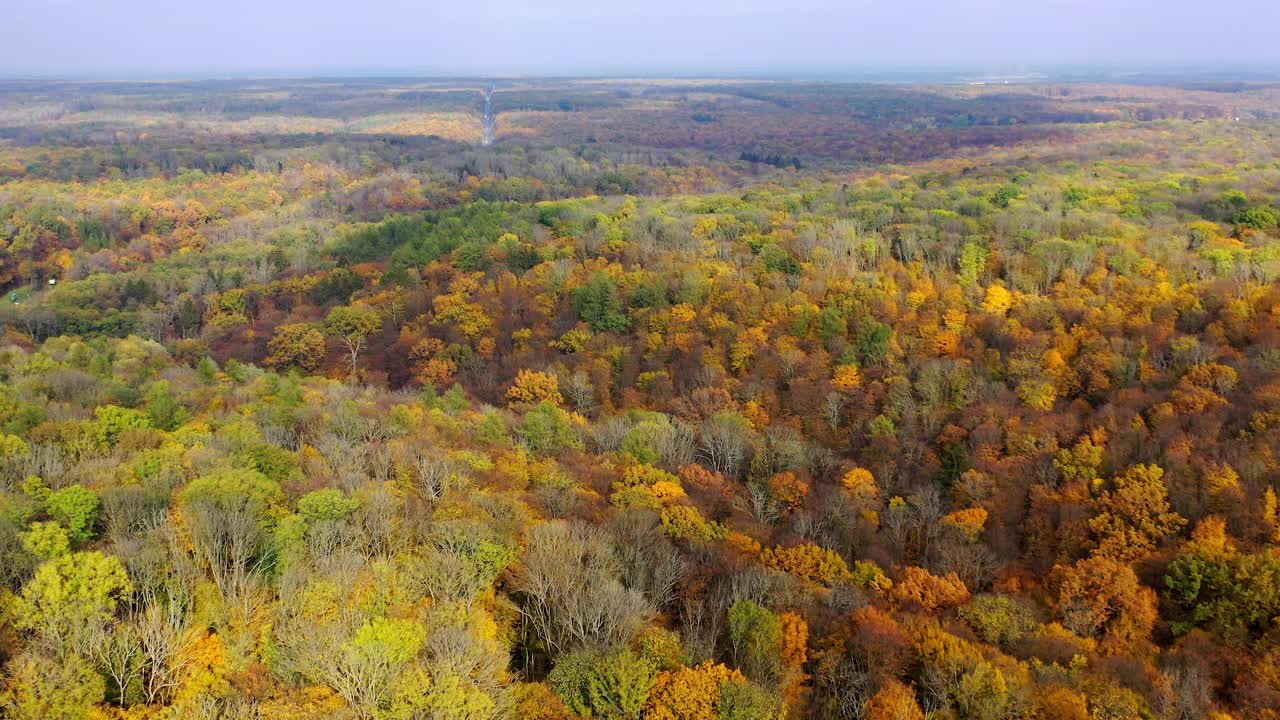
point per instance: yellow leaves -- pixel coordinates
(861, 486)
(969, 521)
(808, 562)
(1134, 515)
(1270, 515)
(686, 522)
(533, 387)
(1210, 538)
(205, 668)
(665, 491)
(846, 378)
(755, 414)
(315, 702)
(1223, 484)
(955, 318)
(998, 300)
(742, 352)
(645, 475)
(683, 313)
(1038, 394)
(745, 544)
(469, 317)
(705, 227)
(648, 487)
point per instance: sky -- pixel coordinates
(157, 38)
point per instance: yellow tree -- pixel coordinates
(1133, 515)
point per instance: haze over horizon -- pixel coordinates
(151, 38)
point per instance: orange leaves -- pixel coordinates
(919, 587)
(1102, 598)
(691, 693)
(532, 387)
(946, 343)
(795, 639)
(1203, 387)
(788, 489)
(894, 701)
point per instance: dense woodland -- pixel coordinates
(682, 401)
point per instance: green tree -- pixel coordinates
(747, 701)
(755, 636)
(76, 508)
(163, 409)
(613, 685)
(352, 325)
(112, 420)
(70, 596)
(46, 540)
(597, 304)
(548, 428)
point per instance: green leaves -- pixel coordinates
(70, 595)
(598, 305)
(326, 504)
(612, 685)
(76, 508)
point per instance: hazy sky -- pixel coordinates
(159, 37)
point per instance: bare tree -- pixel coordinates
(166, 638)
(724, 441)
(647, 560)
(119, 652)
(570, 589)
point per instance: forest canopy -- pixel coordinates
(681, 400)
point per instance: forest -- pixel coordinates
(682, 400)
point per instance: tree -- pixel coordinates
(809, 562)
(46, 540)
(691, 693)
(570, 592)
(296, 345)
(1099, 597)
(598, 305)
(76, 508)
(371, 660)
(42, 688)
(918, 586)
(613, 684)
(1134, 515)
(894, 701)
(534, 387)
(755, 637)
(547, 428)
(70, 596)
(229, 515)
(352, 325)
(723, 441)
